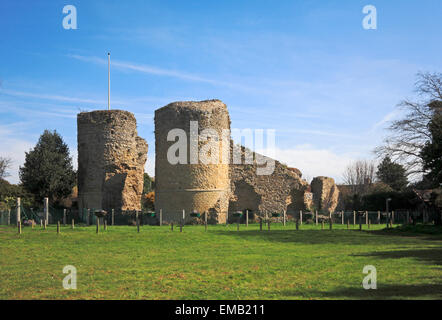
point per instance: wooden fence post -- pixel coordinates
(18, 210)
(105, 224)
(138, 222)
(322, 224)
(366, 217)
(9, 217)
(46, 208)
(64, 217)
(73, 224)
(205, 220)
(331, 221)
(58, 226)
(113, 217)
(300, 216)
(354, 217)
(161, 217)
(284, 218)
(88, 220)
(348, 224)
(379, 217)
(183, 220)
(342, 217)
(316, 216)
(260, 224)
(267, 218)
(19, 226)
(171, 226)
(247, 218)
(268, 224)
(392, 217)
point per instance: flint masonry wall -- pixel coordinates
(283, 189)
(111, 160)
(200, 187)
(325, 193)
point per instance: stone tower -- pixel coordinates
(325, 193)
(203, 187)
(111, 160)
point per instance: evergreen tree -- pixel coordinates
(432, 152)
(148, 184)
(392, 174)
(48, 171)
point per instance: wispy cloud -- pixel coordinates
(317, 132)
(45, 110)
(143, 68)
(49, 97)
(387, 118)
(148, 69)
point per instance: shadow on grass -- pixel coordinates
(429, 255)
(427, 232)
(424, 291)
(351, 237)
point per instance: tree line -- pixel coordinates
(410, 156)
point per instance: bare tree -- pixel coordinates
(5, 165)
(359, 176)
(408, 135)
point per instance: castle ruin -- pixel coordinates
(190, 185)
(111, 158)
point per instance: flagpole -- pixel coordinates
(108, 81)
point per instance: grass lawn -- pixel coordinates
(222, 263)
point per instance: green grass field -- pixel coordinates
(222, 263)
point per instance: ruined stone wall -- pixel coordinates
(279, 191)
(111, 160)
(325, 194)
(224, 188)
(200, 187)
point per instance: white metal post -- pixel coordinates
(108, 81)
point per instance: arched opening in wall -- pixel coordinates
(245, 198)
(290, 211)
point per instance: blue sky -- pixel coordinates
(305, 68)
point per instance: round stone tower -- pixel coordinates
(196, 181)
(111, 160)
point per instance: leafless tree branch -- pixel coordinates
(409, 135)
(5, 165)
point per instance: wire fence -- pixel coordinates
(119, 217)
